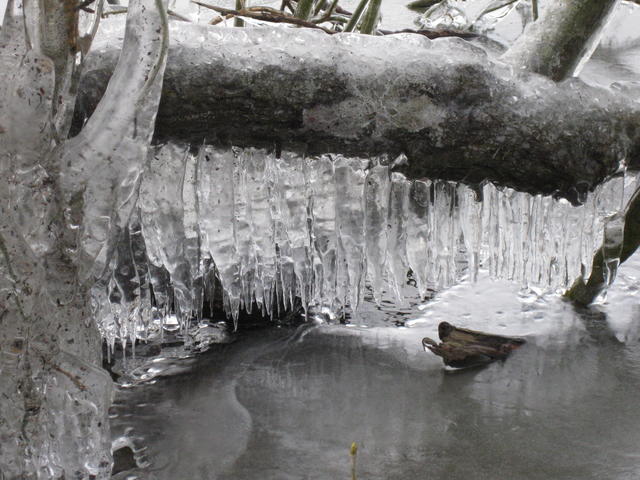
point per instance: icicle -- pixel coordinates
(281, 231)
(217, 218)
(377, 185)
(323, 214)
(419, 234)
(397, 233)
(294, 204)
(471, 225)
(350, 181)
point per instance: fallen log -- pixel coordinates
(463, 348)
(454, 112)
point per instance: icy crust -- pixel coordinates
(325, 228)
(453, 110)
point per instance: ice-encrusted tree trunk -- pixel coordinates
(63, 204)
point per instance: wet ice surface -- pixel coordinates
(286, 404)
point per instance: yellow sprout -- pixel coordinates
(354, 449)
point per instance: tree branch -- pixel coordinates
(565, 35)
(454, 113)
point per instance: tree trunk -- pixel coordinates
(54, 397)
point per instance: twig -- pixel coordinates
(355, 17)
(83, 5)
(114, 11)
(429, 33)
(338, 19)
(178, 16)
(171, 13)
(327, 14)
(74, 378)
(339, 9)
(265, 14)
(219, 19)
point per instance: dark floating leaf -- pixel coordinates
(462, 348)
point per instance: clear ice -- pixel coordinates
(324, 230)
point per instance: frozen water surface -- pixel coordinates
(286, 403)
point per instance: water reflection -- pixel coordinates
(284, 404)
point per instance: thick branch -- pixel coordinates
(455, 114)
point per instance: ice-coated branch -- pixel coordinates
(454, 112)
(102, 165)
(565, 35)
(621, 240)
(56, 30)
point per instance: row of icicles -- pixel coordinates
(273, 232)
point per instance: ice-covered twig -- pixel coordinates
(119, 10)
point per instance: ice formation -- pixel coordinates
(323, 229)
(157, 231)
(62, 204)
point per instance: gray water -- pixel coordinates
(287, 403)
